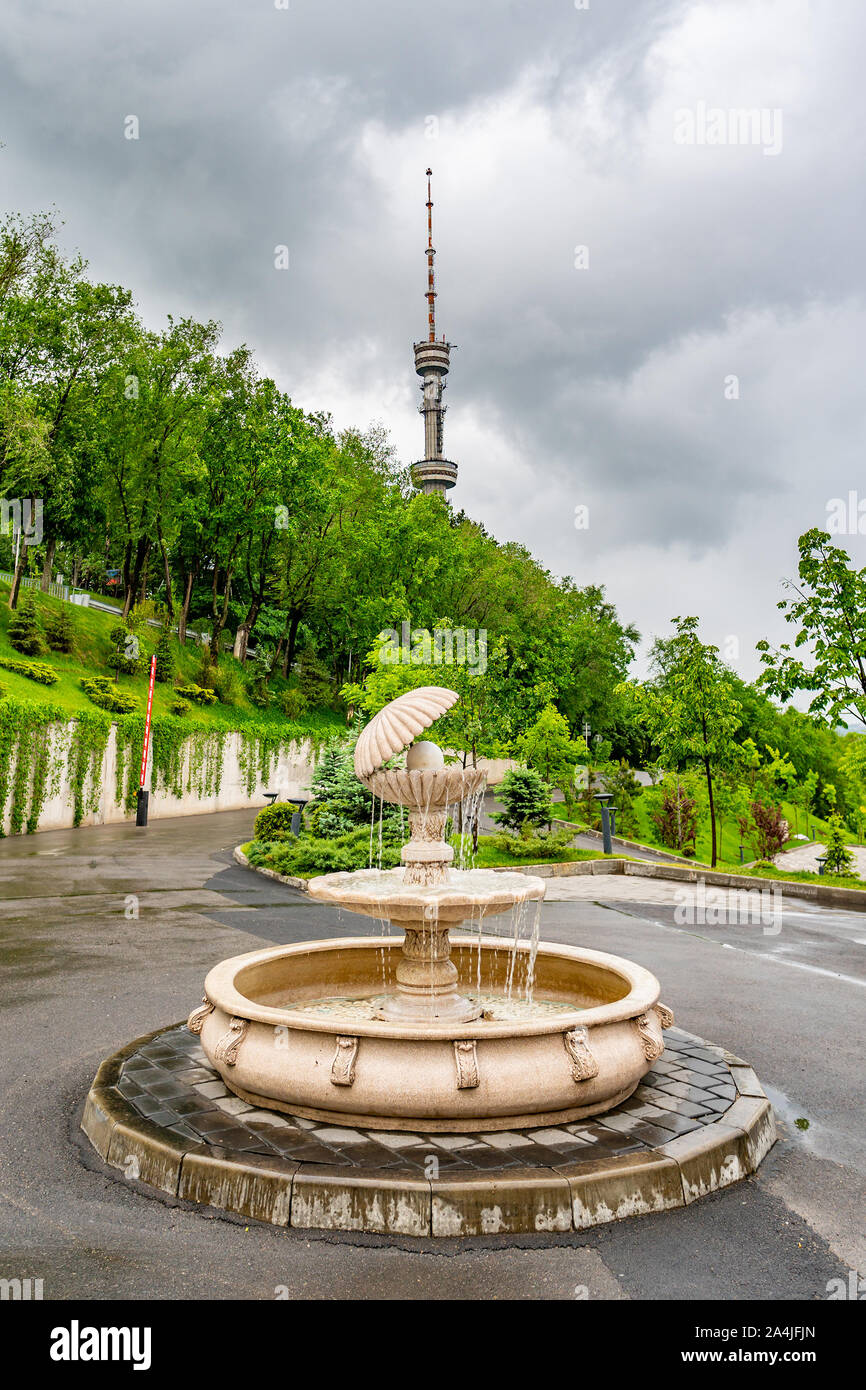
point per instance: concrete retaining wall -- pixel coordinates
(290, 777)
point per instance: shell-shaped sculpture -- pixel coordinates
(395, 726)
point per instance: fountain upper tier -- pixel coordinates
(463, 893)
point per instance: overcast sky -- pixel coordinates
(694, 376)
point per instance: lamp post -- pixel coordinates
(604, 799)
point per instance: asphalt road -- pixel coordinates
(82, 975)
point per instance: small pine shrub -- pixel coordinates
(25, 633)
(838, 858)
(197, 694)
(60, 629)
(526, 797)
(164, 658)
(104, 693)
(38, 671)
(180, 707)
(302, 855)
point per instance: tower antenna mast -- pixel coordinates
(433, 473)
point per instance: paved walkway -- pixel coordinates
(106, 933)
(807, 858)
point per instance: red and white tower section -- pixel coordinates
(433, 473)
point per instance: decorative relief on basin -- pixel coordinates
(583, 1065)
(343, 1065)
(198, 1016)
(466, 1059)
(650, 1034)
(227, 1048)
(665, 1015)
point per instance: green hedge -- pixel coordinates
(38, 671)
(104, 693)
(198, 694)
(274, 822)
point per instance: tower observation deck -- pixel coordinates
(433, 473)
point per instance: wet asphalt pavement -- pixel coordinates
(107, 933)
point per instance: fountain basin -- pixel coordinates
(487, 1074)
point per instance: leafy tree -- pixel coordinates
(769, 829)
(673, 811)
(548, 747)
(690, 710)
(829, 612)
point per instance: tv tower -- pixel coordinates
(433, 473)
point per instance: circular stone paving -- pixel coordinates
(160, 1115)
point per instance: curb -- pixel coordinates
(310, 1196)
(821, 895)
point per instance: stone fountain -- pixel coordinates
(422, 1033)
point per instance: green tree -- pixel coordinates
(165, 666)
(25, 631)
(838, 859)
(549, 748)
(690, 709)
(525, 797)
(829, 612)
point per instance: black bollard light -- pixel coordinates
(604, 799)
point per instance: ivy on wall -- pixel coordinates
(43, 750)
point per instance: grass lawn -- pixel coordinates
(728, 857)
(92, 651)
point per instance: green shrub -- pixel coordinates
(306, 854)
(529, 845)
(197, 694)
(838, 858)
(293, 703)
(104, 693)
(25, 634)
(38, 671)
(274, 822)
(526, 797)
(60, 629)
(225, 680)
(340, 801)
(180, 707)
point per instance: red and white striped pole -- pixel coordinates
(143, 792)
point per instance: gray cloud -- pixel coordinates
(601, 386)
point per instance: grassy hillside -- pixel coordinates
(91, 655)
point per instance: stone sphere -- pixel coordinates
(424, 755)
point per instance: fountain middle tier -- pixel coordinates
(426, 977)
